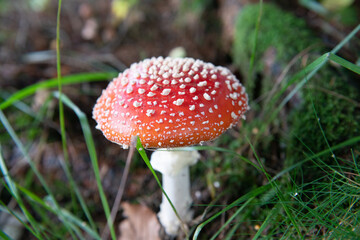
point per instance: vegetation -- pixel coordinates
(290, 170)
(258, 27)
(330, 102)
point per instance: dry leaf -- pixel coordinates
(141, 223)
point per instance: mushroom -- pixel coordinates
(171, 103)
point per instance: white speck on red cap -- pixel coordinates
(192, 90)
(207, 96)
(166, 91)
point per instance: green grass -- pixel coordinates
(276, 205)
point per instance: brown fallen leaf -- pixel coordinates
(141, 223)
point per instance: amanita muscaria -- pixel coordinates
(171, 103)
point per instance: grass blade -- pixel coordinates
(253, 50)
(345, 63)
(92, 153)
(273, 213)
(52, 83)
(219, 149)
(278, 191)
(4, 236)
(42, 181)
(231, 218)
(346, 143)
(237, 202)
(231, 232)
(11, 186)
(346, 39)
(65, 163)
(69, 217)
(307, 73)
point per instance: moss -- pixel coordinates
(349, 16)
(328, 94)
(336, 105)
(280, 30)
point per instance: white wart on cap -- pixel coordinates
(170, 102)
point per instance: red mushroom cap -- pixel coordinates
(170, 102)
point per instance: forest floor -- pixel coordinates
(97, 36)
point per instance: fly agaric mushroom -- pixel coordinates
(170, 103)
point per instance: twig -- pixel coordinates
(119, 194)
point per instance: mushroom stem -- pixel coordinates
(174, 166)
